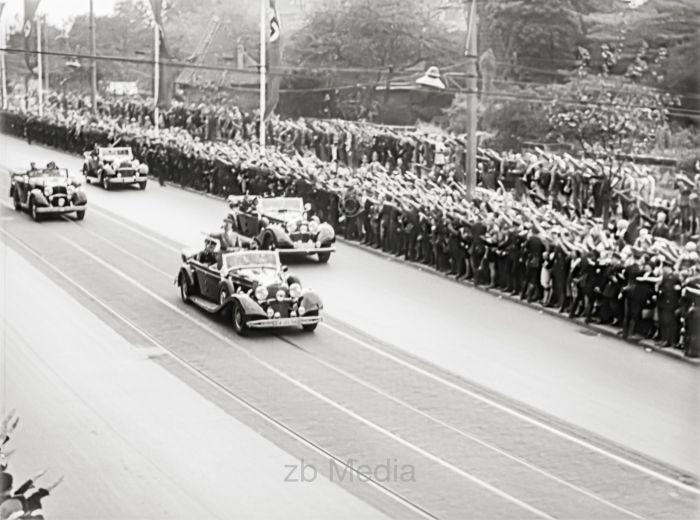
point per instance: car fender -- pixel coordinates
(311, 301)
(326, 233)
(228, 285)
(79, 197)
(187, 271)
(39, 197)
(281, 237)
(108, 170)
(250, 306)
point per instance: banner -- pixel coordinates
(30, 30)
(274, 57)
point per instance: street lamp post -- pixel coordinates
(472, 75)
(93, 66)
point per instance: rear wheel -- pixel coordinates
(80, 215)
(185, 288)
(310, 327)
(238, 318)
(324, 257)
(33, 211)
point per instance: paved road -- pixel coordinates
(132, 440)
(347, 391)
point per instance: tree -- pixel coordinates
(373, 34)
(533, 38)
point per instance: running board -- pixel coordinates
(205, 304)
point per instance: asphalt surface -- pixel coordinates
(471, 403)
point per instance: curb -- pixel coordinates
(605, 330)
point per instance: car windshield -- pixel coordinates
(281, 205)
(49, 172)
(251, 260)
(116, 153)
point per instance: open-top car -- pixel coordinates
(114, 165)
(251, 286)
(45, 191)
(281, 224)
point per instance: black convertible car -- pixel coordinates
(48, 191)
(281, 223)
(250, 285)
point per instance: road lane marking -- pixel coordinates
(497, 491)
(511, 411)
(516, 413)
(466, 435)
(242, 401)
(135, 230)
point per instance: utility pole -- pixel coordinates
(93, 66)
(264, 28)
(40, 68)
(156, 72)
(3, 73)
(472, 74)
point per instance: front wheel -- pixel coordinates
(310, 327)
(185, 288)
(238, 318)
(142, 185)
(16, 201)
(33, 210)
(268, 243)
(105, 181)
(80, 215)
(324, 257)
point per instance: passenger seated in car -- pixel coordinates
(208, 255)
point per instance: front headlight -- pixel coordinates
(48, 190)
(280, 295)
(261, 293)
(270, 312)
(295, 290)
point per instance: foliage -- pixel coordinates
(608, 114)
(373, 34)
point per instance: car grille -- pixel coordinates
(54, 200)
(59, 190)
(126, 172)
(303, 237)
(282, 307)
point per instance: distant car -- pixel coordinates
(48, 191)
(116, 165)
(281, 224)
(251, 286)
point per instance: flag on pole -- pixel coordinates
(29, 29)
(165, 75)
(2, 6)
(274, 57)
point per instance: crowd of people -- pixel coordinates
(589, 237)
(24, 501)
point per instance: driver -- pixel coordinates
(51, 166)
(32, 166)
(208, 254)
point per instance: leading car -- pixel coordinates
(281, 224)
(48, 191)
(252, 287)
